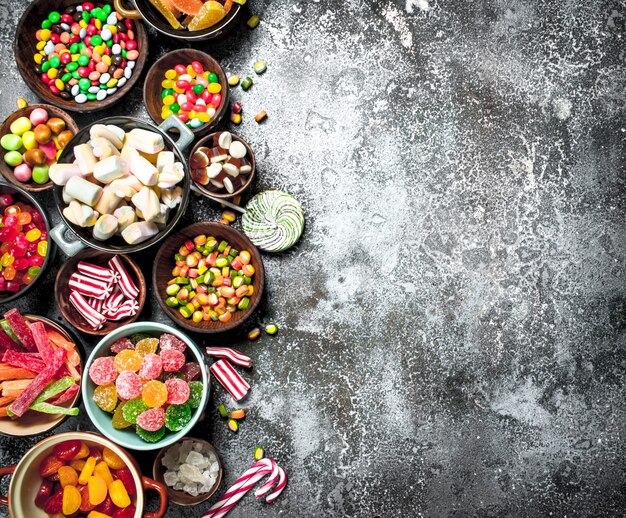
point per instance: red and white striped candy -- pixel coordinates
(114, 300)
(126, 284)
(95, 303)
(97, 272)
(127, 309)
(88, 286)
(277, 478)
(93, 317)
(230, 379)
(230, 354)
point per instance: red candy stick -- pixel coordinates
(29, 361)
(97, 272)
(230, 354)
(128, 309)
(88, 286)
(95, 303)
(41, 339)
(229, 379)
(126, 284)
(21, 329)
(93, 318)
(114, 300)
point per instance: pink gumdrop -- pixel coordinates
(50, 149)
(38, 116)
(23, 173)
(202, 81)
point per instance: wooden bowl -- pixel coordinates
(210, 141)
(180, 497)
(164, 262)
(156, 75)
(35, 423)
(146, 11)
(25, 48)
(62, 290)
(7, 170)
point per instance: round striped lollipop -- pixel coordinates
(273, 220)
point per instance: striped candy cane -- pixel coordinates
(230, 354)
(277, 478)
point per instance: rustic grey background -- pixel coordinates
(452, 322)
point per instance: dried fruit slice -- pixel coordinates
(188, 6)
(167, 13)
(211, 13)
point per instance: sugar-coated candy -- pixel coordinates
(128, 385)
(154, 394)
(177, 391)
(118, 421)
(128, 360)
(151, 368)
(137, 337)
(172, 360)
(169, 341)
(150, 436)
(152, 419)
(121, 345)
(103, 371)
(177, 417)
(191, 370)
(112, 459)
(133, 408)
(196, 390)
(105, 396)
(147, 345)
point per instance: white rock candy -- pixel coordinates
(197, 459)
(189, 468)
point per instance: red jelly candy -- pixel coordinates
(152, 419)
(127, 479)
(121, 345)
(169, 341)
(67, 450)
(151, 367)
(43, 495)
(96, 453)
(103, 371)
(49, 466)
(172, 360)
(107, 507)
(177, 392)
(191, 371)
(55, 504)
(85, 503)
(128, 385)
(127, 512)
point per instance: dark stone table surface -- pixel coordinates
(453, 319)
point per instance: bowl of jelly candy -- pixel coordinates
(147, 385)
(78, 473)
(25, 250)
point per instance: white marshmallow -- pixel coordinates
(105, 227)
(143, 170)
(108, 202)
(172, 197)
(145, 141)
(109, 169)
(171, 175)
(83, 190)
(80, 214)
(147, 202)
(100, 130)
(126, 187)
(125, 216)
(165, 158)
(161, 219)
(61, 173)
(138, 232)
(85, 158)
(103, 148)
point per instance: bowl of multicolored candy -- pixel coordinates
(147, 385)
(25, 255)
(79, 56)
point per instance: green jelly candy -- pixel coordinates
(213, 78)
(66, 77)
(137, 337)
(118, 421)
(177, 417)
(83, 60)
(96, 40)
(198, 89)
(87, 16)
(11, 142)
(41, 174)
(55, 62)
(73, 50)
(45, 66)
(13, 158)
(54, 17)
(107, 9)
(175, 109)
(91, 97)
(84, 83)
(196, 390)
(133, 408)
(46, 24)
(150, 436)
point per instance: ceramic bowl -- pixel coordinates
(25, 480)
(180, 497)
(102, 420)
(35, 423)
(164, 262)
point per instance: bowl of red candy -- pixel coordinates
(25, 251)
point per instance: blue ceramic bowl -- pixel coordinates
(102, 420)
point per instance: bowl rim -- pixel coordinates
(147, 88)
(47, 262)
(251, 175)
(170, 145)
(77, 398)
(228, 326)
(125, 331)
(210, 32)
(47, 442)
(89, 106)
(86, 255)
(9, 176)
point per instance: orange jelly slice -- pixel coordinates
(211, 13)
(188, 6)
(167, 13)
